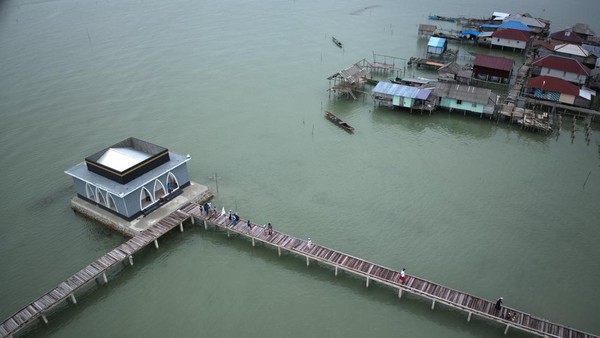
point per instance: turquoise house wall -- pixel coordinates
(465, 105)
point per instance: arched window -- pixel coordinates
(159, 190)
(172, 183)
(100, 197)
(89, 192)
(111, 203)
(145, 198)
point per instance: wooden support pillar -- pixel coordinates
(336, 271)
(506, 330)
(227, 233)
(130, 260)
(181, 226)
(156, 243)
(469, 317)
(433, 305)
(279, 251)
(44, 319)
(253, 244)
(205, 225)
(367, 281)
(104, 278)
(307, 261)
(72, 297)
(193, 220)
(399, 293)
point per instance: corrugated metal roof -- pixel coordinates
(512, 34)
(512, 24)
(531, 22)
(553, 84)
(494, 62)
(463, 92)
(394, 89)
(567, 36)
(592, 49)
(571, 49)
(562, 63)
(436, 42)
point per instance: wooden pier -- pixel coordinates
(372, 272)
(65, 291)
(339, 261)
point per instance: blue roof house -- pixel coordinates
(437, 46)
(395, 95)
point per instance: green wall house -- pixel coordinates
(465, 98)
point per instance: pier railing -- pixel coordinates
(437, 293)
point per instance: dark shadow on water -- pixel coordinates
(58, 195)
(452, 123)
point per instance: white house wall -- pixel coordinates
(509, 43)
(568, 76)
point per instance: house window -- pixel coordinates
(548, 70)
(474, 104)
(498, 40)
(458, 101)
(564, 74)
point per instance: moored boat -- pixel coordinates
(338, 122)
(337, 43)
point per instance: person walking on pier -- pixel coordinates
(499, 304)
(403, 276)
(229, 215)
(270, 229)
(249, 224)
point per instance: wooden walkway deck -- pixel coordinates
(373, 272)
(95, 271)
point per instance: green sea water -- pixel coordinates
(472, 204)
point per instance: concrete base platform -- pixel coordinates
(193, 193)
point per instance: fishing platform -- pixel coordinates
(339, 261)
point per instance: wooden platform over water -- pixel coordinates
(95, 271)
(374, 272)
(338, 260)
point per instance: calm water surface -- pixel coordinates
(241, 86)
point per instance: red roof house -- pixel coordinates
(513, 38)
(566, 36)
(488, 67)
(553, 84)
(553, 89)
(563, 67)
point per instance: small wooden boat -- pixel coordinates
(335, 120)
(337, 43)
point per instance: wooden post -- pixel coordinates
(307, 261)
(44, 319)
(433, 305)
(367, 281)
(193, 220)
(130, 260)
(506, 330)
(227, 233)
(156, 243)
(181, 226)
(469, 317)
(253, 242)
(399, 293)
(279, 251)
(336, 271)
(104, 278)
(72, 297)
